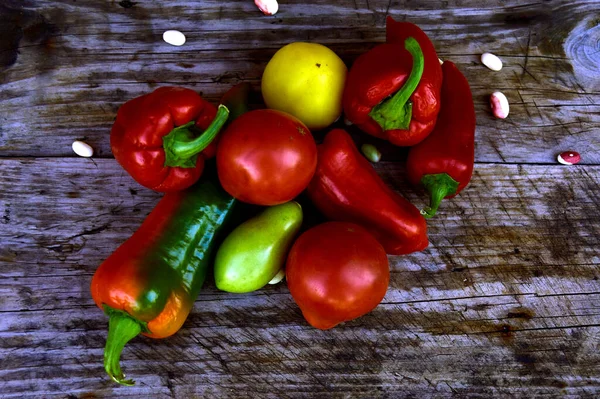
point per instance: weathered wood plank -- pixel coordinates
(71, 82)
(221, 350)
(505, 302)
(515, 229)
(489, 291)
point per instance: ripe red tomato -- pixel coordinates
(336, 272)
(266, 157)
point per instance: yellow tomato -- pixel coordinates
(307, 81)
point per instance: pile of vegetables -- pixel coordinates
(210, 161)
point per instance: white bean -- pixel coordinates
(491, 61)
(278, 277)
(174, 37)
(82, 149)
(268, 7)
(499, 104)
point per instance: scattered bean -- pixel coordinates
(441, 62)
(278, 277)
(82, 149)
(174, 37)
(371, 152)
(347, 122)
(491, 61)
(569, 157)
(499, 104)
(268, 7)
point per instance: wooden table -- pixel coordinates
(505, 301)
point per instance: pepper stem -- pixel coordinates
(439, 186)
(182, 149)
(396, 111)
(121, 329)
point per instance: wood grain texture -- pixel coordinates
(78, 61)
(505, 301)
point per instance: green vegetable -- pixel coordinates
(149, 284)
(255, 251)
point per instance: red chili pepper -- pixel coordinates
(443, 162)
(346, 188)
(393, 90)
(157, 137)
(149, 284)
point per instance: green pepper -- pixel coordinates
(256, 250)
(149, 284)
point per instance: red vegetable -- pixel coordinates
(345, 187)
(443, 163)
(393, 90)
(157, 138)
(149, 284)
(266, 157)
(336, 272)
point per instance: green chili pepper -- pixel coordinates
(149, 284)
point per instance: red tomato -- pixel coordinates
(336, 272)
(266, 157)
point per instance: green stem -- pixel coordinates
(121, 329)
(182, 149)
(396, 111)
(439, 186)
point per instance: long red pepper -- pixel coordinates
(443, 162)
(346, 188)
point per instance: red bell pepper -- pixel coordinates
(443, 162)
(393, 90)
(346, 188)
(157, 137)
